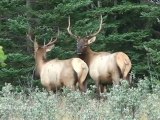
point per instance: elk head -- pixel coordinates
(40, 52)
(83, 42)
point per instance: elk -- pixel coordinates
(104, 67)
(55, 73)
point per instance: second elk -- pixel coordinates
(104, 67)
(55, 73)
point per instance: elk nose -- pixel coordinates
(78, 52)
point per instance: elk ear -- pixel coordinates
(91, 40)
(49, 47)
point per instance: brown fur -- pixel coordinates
(104, 67)
(117, 63)
(55, 73)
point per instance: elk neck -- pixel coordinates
(87, 55)
(40, 61)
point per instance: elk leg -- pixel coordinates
(82, 80)
(83, 86)
(116, 79)
(48, 90)
(102, 88)
(71, 86)
(97, 89)
(129, 79)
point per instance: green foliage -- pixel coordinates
(18, 25)
(122, 102)
(18, 68)
(3, 57)
(128, 26)
(131, 26)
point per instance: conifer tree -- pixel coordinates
(131, 26)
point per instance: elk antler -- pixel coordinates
(100, 27)
(30, 38)
(69, 30)
(51, 41)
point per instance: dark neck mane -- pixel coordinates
(40, 61)
(86, 55)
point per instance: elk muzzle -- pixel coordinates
(80, 48)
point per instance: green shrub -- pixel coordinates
(3, 57)
(122, 103)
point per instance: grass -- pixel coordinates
(121, 103)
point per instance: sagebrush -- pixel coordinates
(120, 103)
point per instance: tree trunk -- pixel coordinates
(28, 42)
(115, 2)
(115, 16)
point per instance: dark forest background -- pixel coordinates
(131, 26)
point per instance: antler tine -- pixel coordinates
(44, 42)
(51, 41)
(100, 27)
(69, 30)
(29, 37)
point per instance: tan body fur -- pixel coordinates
(55, 73)
(104, 68)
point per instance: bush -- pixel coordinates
(122, 102)
(3, 57)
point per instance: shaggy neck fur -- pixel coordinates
(87, 55)
(40, 61)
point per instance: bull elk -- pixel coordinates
(55, 73)
(104, 67)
